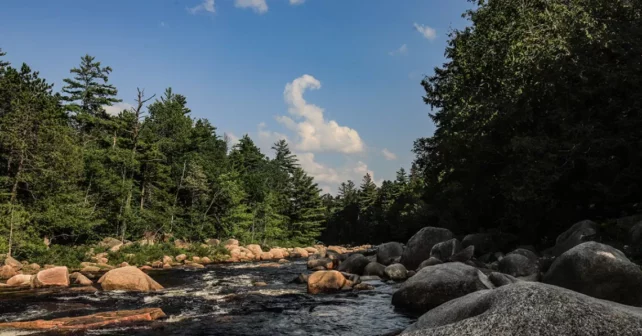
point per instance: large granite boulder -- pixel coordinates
(434, 285)
(325, 282)
(518, 265)
(489, 242)
(446, 249)
(598, 270)
(396, 272)
(388, 252)
(375, 268)
(528, 309)
(432, 261)
(52, 277)
(354, 264)
(420, 245)
(128, 278)
(577, 234)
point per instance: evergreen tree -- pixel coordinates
(306, 213)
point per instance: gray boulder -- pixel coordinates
(577, 234)
(429, 262)
(354, 264)
(420, 245)
(374, 268)
(518, 265)
(635, 234)
(386, 253)
(446, 249)
(600, 271)
(501, 279)
(528, 309)
(434, 285)
(396, 272)
(464, 255)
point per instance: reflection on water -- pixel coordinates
(222, 300)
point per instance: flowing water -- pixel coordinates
(222, 300)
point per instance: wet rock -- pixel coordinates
(528, 309)
(9, 261)
(260, 284)
(255, 249)
(52, 277)
(301, 279)
(463, 255)
(129, 279)
(325, 282)
(386, 253)
(283, 261)
(90, 321)
(600, 271)
(7, 272)
(325, 263)
(434, 285)
(420, 245)
(446, 249)
(396, 272)
(79, 279)
(518, 265)
(20, 280)
(355, 264)
(374, 268)
(195, 265)
(363, 286)
(577, 234)
(501, 279)
(429, 262)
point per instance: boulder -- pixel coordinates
(181, 244)
(363, 286)
(20, 280)
(283, 261)
(116, 248)
(196, 259)
(386, 253)
(213, 242)
(158, 264)
(420, 245)
(90, 269)
(489, 242)
(206, 260)
(518, 265)
(266, 256)
(230, 243)
(32, 268)
(52, 277)
(577, 234)
(129, 279)
(375, 268)
(301, 279)
(93, 321)
(446, 249)
(9, 261)
(355, 264)
(277, 253)
(463, 255)
(528, 309)
(598, 270)
(110, 242)
(311, 250)
(434, 285)
(635, 234)
(396, 272)
(167, 259)
(6, 272)
(79, 279)
(501, 279)
(146, 268)
(181, 257)
(255, 249)
(123, 264)
(301, 252)
(429, 262)
(325, 263)
(325, 282)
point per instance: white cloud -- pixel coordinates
(206, 5)
(426, 31)
(388, 154)
(296, 2)
(403, 50)
(115, 109)
(259, 6)
(321, 173)
(315, 134)
(330, 177)
(231, 139)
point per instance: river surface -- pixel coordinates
(222, 300)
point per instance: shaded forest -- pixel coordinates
(537, 114)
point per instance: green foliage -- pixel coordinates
(67, 255)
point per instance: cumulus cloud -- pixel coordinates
(206, 5)
(427, 32)
(296, 2)
(388, 154)
(330, 177)
(315, 133)
(115, 109)
(403, 50)
(259, 6)
(231, 139)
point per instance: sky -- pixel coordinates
(338, 79)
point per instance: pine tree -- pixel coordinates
(306, 209)
(88, 91)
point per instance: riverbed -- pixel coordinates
(223, 300)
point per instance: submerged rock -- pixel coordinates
(420, 245)
(90, 321)
(600, 271)
(528, 309)
(128, 278)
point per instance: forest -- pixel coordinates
(537, 115)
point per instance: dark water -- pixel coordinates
(222, 300)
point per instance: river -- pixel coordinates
(222, 300)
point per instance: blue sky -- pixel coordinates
(338, 78)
